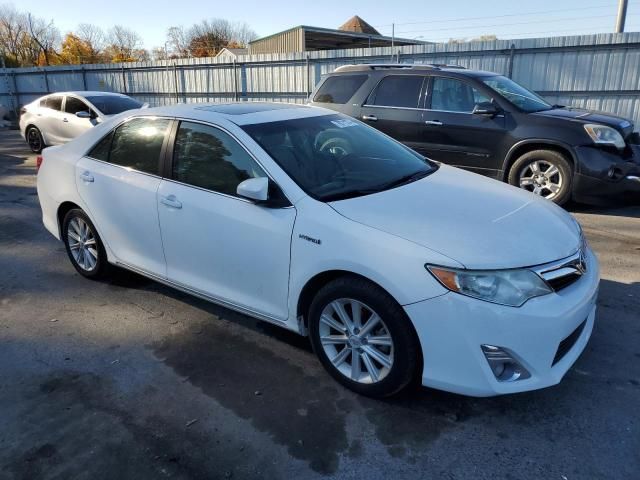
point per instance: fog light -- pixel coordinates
(504, 367)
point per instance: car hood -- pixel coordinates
(478, 222)
(624, 126)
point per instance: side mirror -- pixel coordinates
(83, 114)
(485, 108)
(256, 189)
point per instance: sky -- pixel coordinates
(428, 20)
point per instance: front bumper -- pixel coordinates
(451, 329)
(603, 175)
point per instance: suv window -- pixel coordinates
(136, 144)
(74, 105)
(398, 91)
(207, 157)
(339, 89)
(452, 95)
(55, 102)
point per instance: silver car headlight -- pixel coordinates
(603, 135)
(506, 287)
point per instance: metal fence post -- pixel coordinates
(235, 81)
(175, 80)
(512, 53)
(124, 80)
(307, 64)
(84, 78)
(46, 80)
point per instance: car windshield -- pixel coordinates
(112, 104)
(517, 94)
(333, 157)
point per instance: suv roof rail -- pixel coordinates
(405, 66)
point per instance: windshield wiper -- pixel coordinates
(413, 177)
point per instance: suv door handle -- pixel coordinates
(171, 201)
(371, 118)
(433, 122)
(86, 177)
(65, 119)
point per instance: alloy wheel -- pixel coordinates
(82, 244)
(542, 178)
(356, 340)
(34, 140)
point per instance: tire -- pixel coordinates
(403, 353)
(530, 172)
(89, 261)
(34, 139)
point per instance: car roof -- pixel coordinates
(88, 93)
(240, 113)
(408, 68)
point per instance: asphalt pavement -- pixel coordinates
(127, 378)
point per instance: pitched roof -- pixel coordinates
(356, 24)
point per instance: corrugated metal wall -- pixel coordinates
(287, 41)
(595, 71)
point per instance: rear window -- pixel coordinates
(398, 91)
(54, 103)
(339, 89)
(111, 104)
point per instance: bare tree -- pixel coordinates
(45, 35)
(124, 44)
(93, 37)
(243, 34)
(209, 36)
(13, 34)
(178, 42)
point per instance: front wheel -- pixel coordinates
(363, 337)
(544, 172)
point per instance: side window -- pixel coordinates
(454, 95)
(398, 91)
(339, 89)
(137, 144)
(207, 157)
(74, 105)
(101, 150)
(54, 102)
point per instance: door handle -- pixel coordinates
(65, 120)
(171, 201)
(371, 118)
(86, 177)
(433, 122)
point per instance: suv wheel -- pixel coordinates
(363, 337)
(35, 140)
(544, 172)
(83, 245)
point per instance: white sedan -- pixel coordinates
(396, 267)
(60, 117)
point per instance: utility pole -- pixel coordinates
(622, 16)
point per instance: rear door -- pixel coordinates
(394, 107)
(452, 134)
(118, 181)
(72, 126)
(50, 121)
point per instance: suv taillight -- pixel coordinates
(38, 163)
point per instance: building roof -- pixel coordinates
(357, 24)
(232, 51)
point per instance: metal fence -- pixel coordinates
(600, 72)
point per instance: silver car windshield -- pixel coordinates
(334, 157)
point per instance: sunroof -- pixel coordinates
(246, 107)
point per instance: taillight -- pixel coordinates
(38, 163)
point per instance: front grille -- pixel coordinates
(564, 281)
(561, 274)
(568, 343)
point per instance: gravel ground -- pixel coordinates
(129, 379)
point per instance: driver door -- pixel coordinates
(215, 242)
(73, 126)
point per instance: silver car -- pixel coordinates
(60, 117)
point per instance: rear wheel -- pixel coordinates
(83, 245)
(363, 337)
(35, 140)
(544, 172)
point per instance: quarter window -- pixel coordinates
(54, 102)
(207, 157)
(339, 89)
(398, 91)
(454, 95)
(137, 144)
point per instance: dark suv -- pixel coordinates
(487, 123)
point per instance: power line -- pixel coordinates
(497, 16)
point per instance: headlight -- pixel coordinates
(506, 287)
(603, 135)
